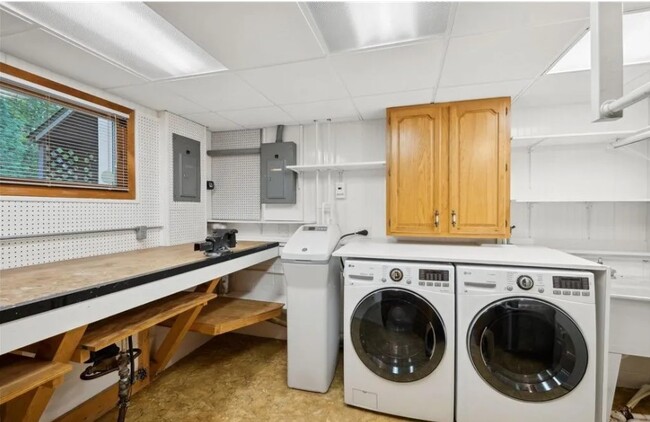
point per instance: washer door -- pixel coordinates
(527, 349)
(398, 335)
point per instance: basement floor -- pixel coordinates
(243, 378)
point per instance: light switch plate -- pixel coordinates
(340, 190)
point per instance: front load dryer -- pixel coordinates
(526, 345)
(399, 338)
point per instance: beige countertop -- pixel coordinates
(30, 284)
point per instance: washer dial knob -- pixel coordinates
(525, 282)
(396, 274)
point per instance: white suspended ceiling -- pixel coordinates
(283, 66)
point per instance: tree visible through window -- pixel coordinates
(43, 140)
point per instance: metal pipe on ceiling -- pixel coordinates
(611, 107)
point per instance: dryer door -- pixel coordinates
(398, 334)
(527, 349)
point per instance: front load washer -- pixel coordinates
(399, 338)
(526, 345)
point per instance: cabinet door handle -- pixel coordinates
(436, 218)
(453, 218)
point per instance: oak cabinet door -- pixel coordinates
(416, 169)
(479, 159)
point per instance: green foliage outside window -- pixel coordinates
(19, 116)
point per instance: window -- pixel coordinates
(57, 141)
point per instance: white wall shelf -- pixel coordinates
(260, 222)
(365, 165)
(534, 141)
(586, 200)
(623, 254)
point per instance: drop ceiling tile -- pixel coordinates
(12, 24)
(158, 97)
(254, 118)
(301, 82)
(50, 52)
(212, 121)
(574, 87)
(219, 91)
(468, 92)
(507, 55)
(482, 17)
(244, 35)
(333, 109)
(393, 69)
(374, 106)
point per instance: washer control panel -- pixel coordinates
(437, 277)
(525, 282)
(396, 274)
(577, 286)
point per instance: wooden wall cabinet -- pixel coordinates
(448, 169)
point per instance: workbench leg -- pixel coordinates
(30, 406)
(173, 339)
(60, 348)
(208, 287)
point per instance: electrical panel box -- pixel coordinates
(278, 184)
(187, 169)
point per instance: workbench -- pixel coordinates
(55, 313)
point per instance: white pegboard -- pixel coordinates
(237, 178)
(187, 220)
(30, 216)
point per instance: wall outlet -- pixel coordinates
(340, 190)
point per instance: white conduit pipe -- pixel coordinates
(623, 414)
(318, 161)
(639, 136)
(611, 107)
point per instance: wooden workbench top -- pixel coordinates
(36, 283)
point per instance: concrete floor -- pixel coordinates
(243, 378)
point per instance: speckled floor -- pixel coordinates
(243, 378)
(238, 378)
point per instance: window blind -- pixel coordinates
(46, 141)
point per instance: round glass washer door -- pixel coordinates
(527, 349)
(398, 334)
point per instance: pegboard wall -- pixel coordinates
(187, 220)
(236, 195)
(32, 216)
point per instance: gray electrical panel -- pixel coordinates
(278, 183)
(187, 169)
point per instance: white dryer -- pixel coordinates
(526, 345)
(399, 338)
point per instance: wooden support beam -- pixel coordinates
(208, 287)
(60, 348)
(30, 406)
(173, 339)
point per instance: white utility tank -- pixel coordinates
(313, 306)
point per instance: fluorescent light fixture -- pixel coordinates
(351, 26)
(636, 46)
(128, 34)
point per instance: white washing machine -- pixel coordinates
(526, 345)
(398, 325)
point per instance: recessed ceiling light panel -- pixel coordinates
(128, 34)
(357, 25)
(636, 46)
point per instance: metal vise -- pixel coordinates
(218, 243)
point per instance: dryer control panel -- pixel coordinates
(576, 286)
(412, 275)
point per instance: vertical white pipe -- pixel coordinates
(319, 156)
